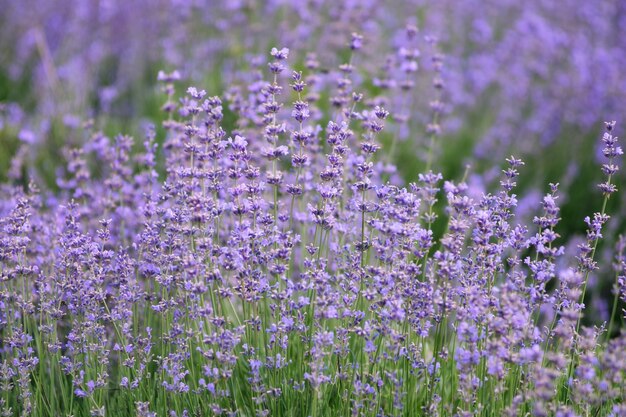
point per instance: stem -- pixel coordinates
(614, 309)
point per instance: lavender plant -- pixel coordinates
(280, 268)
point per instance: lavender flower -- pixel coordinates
(255, 254)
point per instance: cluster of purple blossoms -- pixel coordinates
(69, 58)
(277, 265)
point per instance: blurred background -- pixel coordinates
(535, 79)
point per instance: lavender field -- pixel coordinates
(312, 208)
